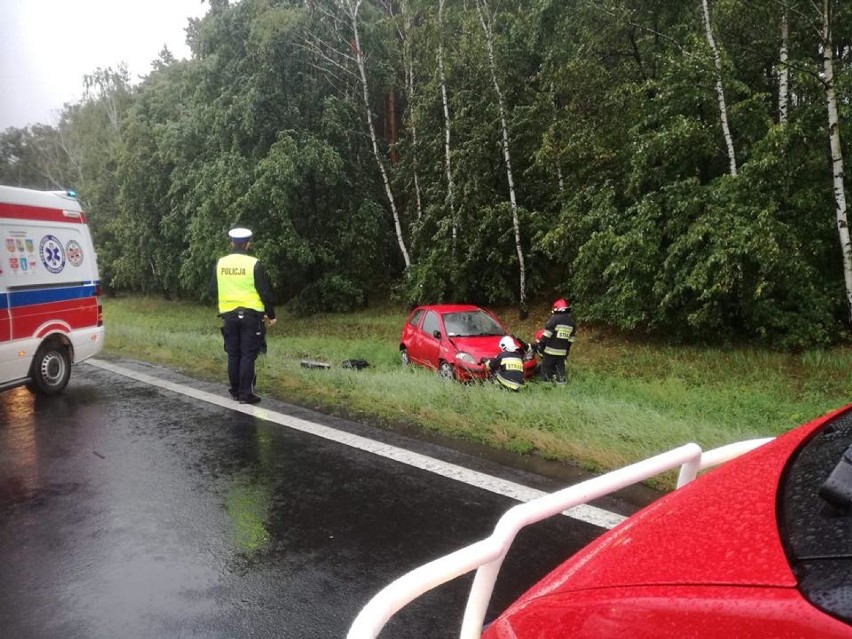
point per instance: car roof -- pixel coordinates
(449, 308)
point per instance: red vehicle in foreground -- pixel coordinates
(453, 338)
(760, 547)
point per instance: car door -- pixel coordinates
(412, 339)
(430, 346)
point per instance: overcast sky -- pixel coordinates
(47, 46)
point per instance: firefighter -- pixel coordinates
(508, 366)
(555, 342)
(245, 305)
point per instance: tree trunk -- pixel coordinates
(783, 68)
(556, 159)
(836, 155)
(392, 132)
(720, 92)
(353, 6)
(447, 167)
(484, 20)
(409, 87)
(414, 162)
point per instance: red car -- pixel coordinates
(760, 547)
(453, 338)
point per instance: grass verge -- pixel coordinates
(626, 400)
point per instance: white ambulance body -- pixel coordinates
(50, 312)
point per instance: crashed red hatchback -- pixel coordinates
(453, 338)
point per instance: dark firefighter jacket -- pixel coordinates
(559, 333)
(508, 368)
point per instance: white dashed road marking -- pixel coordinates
(519, 492)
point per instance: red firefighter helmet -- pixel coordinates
(560, 305)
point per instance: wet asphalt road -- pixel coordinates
(134, 512)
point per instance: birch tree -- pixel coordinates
(111, 88)
(404, 26)
(448, 172)
(783, 66)
(51, 159)
(554, 116)
(486, 21)
(341, 57)
(720, 91)
(837, 173)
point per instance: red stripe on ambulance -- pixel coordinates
(38, 320)
(35, 213)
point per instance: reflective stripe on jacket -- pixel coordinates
(235, 280)
(558, 334)
(509, 369)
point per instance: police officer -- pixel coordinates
(508, 366)
(555, 342)
(245, 303)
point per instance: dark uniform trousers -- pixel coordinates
(553, 368)
(243, 333)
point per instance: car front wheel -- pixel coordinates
(51, 369)
(403, 357)
(446, 371)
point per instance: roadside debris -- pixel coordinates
(312, 363)
(357, 364)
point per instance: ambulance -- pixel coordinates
(50, 311)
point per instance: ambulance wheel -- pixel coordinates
(51, 369)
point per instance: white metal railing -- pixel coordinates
(486, 556)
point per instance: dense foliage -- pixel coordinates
(322, 125)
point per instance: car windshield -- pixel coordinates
(471, 324)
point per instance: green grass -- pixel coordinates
(626, 400)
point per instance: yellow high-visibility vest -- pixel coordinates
(235, 279)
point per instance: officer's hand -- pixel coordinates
(270, 322)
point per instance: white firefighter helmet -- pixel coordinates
(507, 343)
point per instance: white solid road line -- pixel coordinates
(584, 512)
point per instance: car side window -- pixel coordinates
(430, 323)
(415, 318)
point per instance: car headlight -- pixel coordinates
(466, 358)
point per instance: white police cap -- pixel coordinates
(241, 234)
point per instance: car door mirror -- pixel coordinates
(436, 334)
